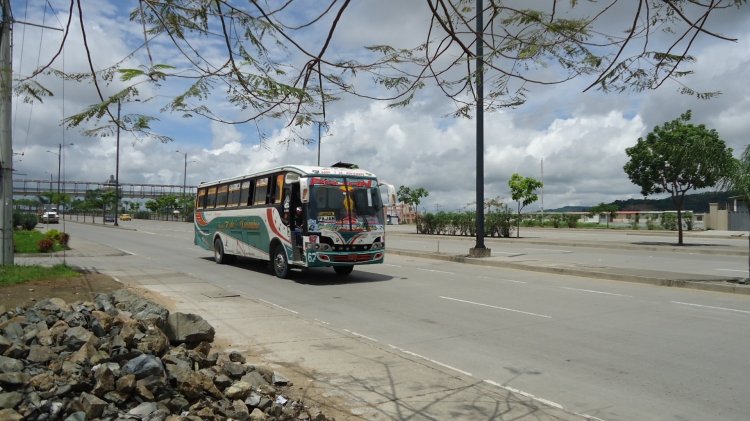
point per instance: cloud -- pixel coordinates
(581, 137)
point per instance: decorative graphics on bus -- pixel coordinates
(200, 219)
(238, 224)
(339, 182)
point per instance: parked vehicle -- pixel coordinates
(50, 217)
(109, 218)
(125, 217)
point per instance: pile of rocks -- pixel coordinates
(125, 358)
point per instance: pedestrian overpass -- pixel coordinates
(79, 188)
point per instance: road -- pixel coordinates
(609, 350)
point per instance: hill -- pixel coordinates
(697, 202)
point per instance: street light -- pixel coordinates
(59, 160)
(184, 180)
(321, 124)
(184, 174)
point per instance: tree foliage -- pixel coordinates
(677, 157)
(412, 197)
(609, 209)
(523, 191)
(738, 182)
(283, 60)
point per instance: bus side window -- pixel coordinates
(261, 189)
(246, 193)
(200, 201)
(221, 196)
(278, 189)
(211, 198)
(234, 195)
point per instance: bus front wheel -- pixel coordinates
(219, 256)
(280, 262)
(343, 270)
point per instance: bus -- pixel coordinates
(295, 217)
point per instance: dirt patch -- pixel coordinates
(80, 288)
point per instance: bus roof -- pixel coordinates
(302, 170)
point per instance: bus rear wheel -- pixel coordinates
(219, 256)
(280, 262)
(343, 270)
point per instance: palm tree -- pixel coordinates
(738, 182)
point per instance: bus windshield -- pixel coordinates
(344, 204)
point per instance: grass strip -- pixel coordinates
(13, 274)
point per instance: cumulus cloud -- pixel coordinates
(579, 136)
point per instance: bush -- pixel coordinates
(687, 218)
(142, 215)
(64, 239)
(669, 221)
(571, 220)
(45, 245)
(30, 222)
(25, 220)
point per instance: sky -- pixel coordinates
(573, 141)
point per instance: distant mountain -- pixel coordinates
(697, 202)
(565, 209)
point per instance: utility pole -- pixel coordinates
(6, 142)
(479, 249)
(117, 168)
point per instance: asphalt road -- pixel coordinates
(609, 350)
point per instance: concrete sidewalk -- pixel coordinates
(697, 242)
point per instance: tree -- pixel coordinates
(259, 42)
(108, 199)
(412, 198)
(738, 182)
(522, 190)
(609, 209)
(677, 157)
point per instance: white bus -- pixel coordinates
(295, 216)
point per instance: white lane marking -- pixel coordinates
(466, 373)
(711, 307)
(148, 232)
(359, 335)
(525, 394)
(561, 251)
(127, 252)
(436, 271)
(508, 252)
(277, 306)
(732, 270)
(504, 280)
(597, 292)
(540, 400)
(496, 307)
(322, 321)
(395, 266)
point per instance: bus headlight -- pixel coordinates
(377, 245)
(317, 246)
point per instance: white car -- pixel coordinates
(50, 217)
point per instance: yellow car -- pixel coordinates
(125, 217)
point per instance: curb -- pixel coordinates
(689, 248)
(708, 284)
